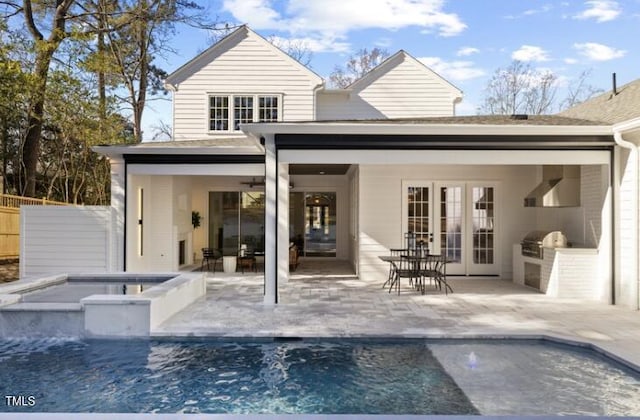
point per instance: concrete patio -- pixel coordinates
(324, 299)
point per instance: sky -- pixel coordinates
(465, 41)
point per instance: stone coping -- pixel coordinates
(138, 416)
(43, 306)
(10, 293)
(126, 416)
(146, 297)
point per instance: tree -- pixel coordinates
(129, 49)
(297, 49)
(357, 66)
(45, 47)
(13, 85)
(520, 89)
(52, 22)
(579, 90)
(162, 131)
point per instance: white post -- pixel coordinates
(283, 222)
(118, 205)
(270, 222)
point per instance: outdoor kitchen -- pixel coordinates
(564, 255)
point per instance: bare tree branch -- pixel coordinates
(357, 66)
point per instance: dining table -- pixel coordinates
(417, 261)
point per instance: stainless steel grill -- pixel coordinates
(535, 241)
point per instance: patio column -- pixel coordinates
(283, 222)
(117, 208)
(270, 222)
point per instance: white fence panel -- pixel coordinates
(65, 239)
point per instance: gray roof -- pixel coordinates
(479, 119)
(218, 142)
(610, 108)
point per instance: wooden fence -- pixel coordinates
(10, 221)
(9, 232)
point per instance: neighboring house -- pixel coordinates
(345, 173)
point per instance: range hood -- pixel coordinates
(560, 187)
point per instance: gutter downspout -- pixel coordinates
(633, 150)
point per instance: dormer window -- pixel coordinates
(227, 112)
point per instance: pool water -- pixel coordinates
(322, 377)
(70, 292)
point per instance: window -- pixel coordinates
(242, 111)
(267, 108)
(228, 112)
(218, 113)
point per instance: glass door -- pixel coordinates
(320, 224)
(456, 219)
(419, 211)
(450, 213)
(482, 221)
(312, 223)
(236, 218)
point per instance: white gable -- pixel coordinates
(401, 87)
(242, 63)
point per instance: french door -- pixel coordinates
(457, 219)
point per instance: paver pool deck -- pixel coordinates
(323, 300)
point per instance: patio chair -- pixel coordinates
(394, 252)
(435, 268)
(405, 268)
(247, 259)
(210, 255)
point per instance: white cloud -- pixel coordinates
(600, 10)
(598, 52)
(313, 44)
(453, 70)
(530, 12)
(335, 18)
(257, 13)
(570, 60)
(383, 42)
(530, 53)
(465, 51)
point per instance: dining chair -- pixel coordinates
(435, 268)
(405, 268)
(394, 252)
(210, 255)
(247, 259)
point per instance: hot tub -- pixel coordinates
(105, 305)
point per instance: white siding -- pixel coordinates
(627, 278)
(166, 220)
(406, 89)
(65, 239)
(248, 66)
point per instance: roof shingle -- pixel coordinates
(609, 108)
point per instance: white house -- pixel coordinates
(346, 172)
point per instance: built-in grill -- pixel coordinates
(536, 240)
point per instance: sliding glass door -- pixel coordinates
(236, 218)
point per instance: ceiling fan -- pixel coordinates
(259, 183)
(254, 183)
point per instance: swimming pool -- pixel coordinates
(323, 377)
